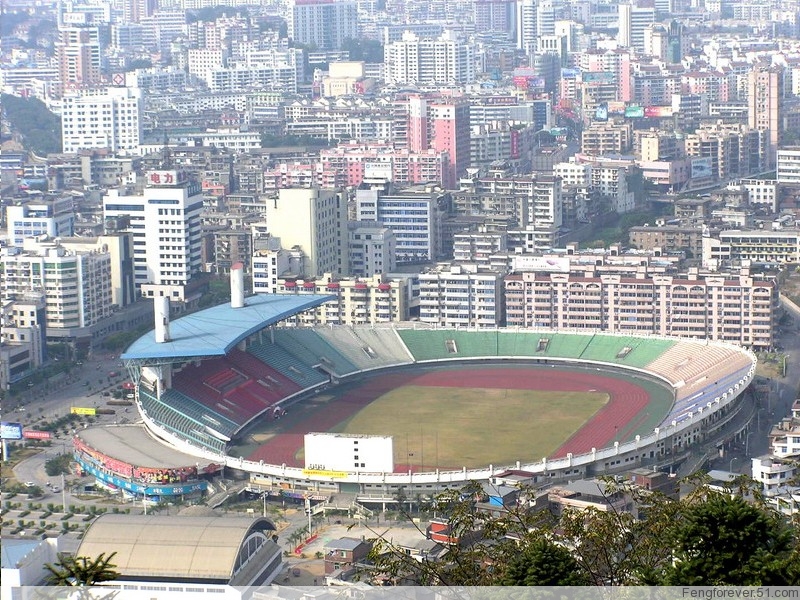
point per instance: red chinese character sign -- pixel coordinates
(166, 177)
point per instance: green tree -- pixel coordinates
(635, 537)
(724, 540)
(481, 548)
(622, 544)
(543, 562)
(81, 571)
(370, 51)
(40, 129)
(58, 465)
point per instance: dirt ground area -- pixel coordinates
(308, 570)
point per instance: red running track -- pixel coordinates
(626, 401)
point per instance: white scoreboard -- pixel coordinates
(340, 452)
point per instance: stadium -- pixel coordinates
(370, 410)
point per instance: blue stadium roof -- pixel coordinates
(214, 331)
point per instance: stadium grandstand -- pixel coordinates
(204, 379)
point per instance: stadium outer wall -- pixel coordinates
(659, 445)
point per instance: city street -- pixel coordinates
(38, 404)
(65, 392)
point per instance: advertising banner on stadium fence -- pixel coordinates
(177, 489)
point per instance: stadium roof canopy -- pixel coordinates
(178, 547)
(214, 331)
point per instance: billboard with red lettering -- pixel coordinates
(657, 112)
(166, 177)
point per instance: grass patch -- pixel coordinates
(455, 427)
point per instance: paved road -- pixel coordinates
(784, 391)
(54, 400)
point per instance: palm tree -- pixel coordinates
(81, 571)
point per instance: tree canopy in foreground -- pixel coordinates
(638, 537)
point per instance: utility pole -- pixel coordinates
(308, 512)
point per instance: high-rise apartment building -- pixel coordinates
(165, 224)
(633, 22)
(443, 61)
(77, 286)
(414, 217)
(526, 26)
(534, 19)
(359, 300)
(315, 221)
(108, 120)
(78, 55)
(765, 104)
(443, 125)
(322, 23)
(461, 295)
(371, 249)
(495, 16)
(526, 201)
(736, 308)
(134, 11)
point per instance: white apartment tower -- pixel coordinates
(77, 286)
(322, 23)
(315, 221)
(109, 120)
(526, 26)
(446, 61)
(535, 18)
(461, 295)
(165, 223)
(633, 22)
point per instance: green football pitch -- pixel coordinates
(446, 427)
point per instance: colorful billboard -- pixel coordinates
(616, 108)
(634, 112)
(10, 431)
(657, 112)
(570, 73)
(702, 167)
(79, 410)
(601, 112)
(125, 484)
(598, 77)
(32, 434)
(541, 264)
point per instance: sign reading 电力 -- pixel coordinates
(166, 177)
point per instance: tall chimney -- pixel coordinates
(161, 308)
(237, 285)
